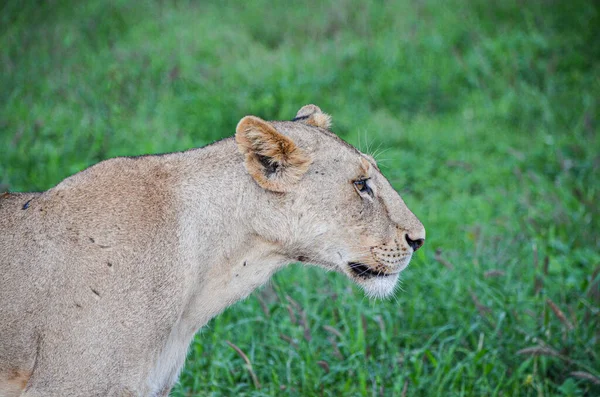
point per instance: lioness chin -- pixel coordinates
(107, 276)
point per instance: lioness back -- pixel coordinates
(74, 254)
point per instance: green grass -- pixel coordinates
(486, 117)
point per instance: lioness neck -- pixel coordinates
(227, 259)
(221, 256)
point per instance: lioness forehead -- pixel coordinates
(313, 136)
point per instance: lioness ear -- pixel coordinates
(272, 159)
(312, 115)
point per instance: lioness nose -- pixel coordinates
(415, 244)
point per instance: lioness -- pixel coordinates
(107, 276)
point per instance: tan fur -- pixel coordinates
(314, 116)
(107, 276)
(260, 143)
(14, 381)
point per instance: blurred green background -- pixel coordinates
(484, 116)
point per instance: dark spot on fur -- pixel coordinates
(26, 205)
(237, 275)
(108, 264)
(95, 292)
(245, 263)
(18, 377)
(78, 306)
(302, 258)
(301, 118)
(270, 166)
(92, 240)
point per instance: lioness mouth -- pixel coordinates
(362, 270)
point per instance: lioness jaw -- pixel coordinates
(108, 275)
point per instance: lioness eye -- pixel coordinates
(363, 187)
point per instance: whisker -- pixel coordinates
(380, 152)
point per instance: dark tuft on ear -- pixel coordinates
(312, 115)
(274, 161)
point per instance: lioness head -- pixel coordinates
(327, 203)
